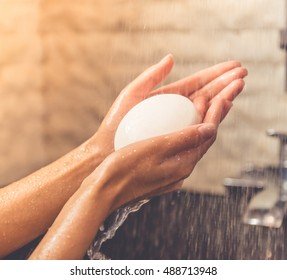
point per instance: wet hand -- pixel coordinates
(156, 165)
(224, 80)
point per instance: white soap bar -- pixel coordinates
(154, 116)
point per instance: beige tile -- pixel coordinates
(187, 46)
(18, 16)
(169, 15)
(20, 78)
(22, 148)
(20, 48)
(83, 16)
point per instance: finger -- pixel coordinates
(192, 137)
(201, 104)
(151, 77)
(165, 189)
(186, 139)
(217, 85)
(215, 112)
(203, 148)
(180, 166)
(190, 146)
(227, 106)
(194, 82)
(138, 90)
(232, 90)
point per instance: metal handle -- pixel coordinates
(283, 145)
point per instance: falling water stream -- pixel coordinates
(109, 228)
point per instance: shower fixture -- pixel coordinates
(268, 187)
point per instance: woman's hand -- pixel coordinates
(224, 80)
(146, 168)
(143, 169)
(157, 165)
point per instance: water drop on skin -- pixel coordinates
(157, 115)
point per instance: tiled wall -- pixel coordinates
(64, 62)
(21, 104)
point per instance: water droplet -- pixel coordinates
(84, 149)
(268, 254)
(102, 227)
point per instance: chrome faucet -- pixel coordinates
(268, 185)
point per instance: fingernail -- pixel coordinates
(166, 58)
(207, 130)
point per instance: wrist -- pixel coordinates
(102, 146)
(94, 149)
(107, 184)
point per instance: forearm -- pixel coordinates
(29, 206)
(75, 227)
(131, 173)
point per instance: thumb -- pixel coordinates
(186, 139)
(151, 77)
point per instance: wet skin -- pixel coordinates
(73, 195)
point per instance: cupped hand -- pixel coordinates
(224, 80)
(156, 165)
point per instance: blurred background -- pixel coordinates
(62, 64)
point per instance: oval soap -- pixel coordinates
(154, 116)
